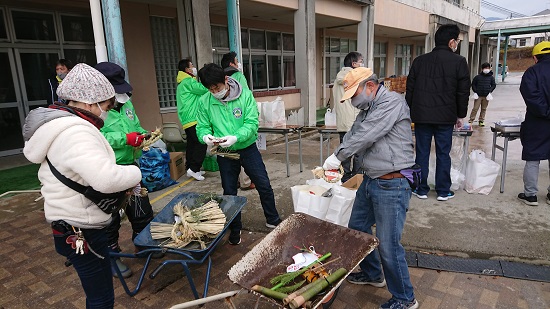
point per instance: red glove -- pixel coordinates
(134, 139)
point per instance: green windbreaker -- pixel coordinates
(188, 94)
(117, 125)
(238, 117)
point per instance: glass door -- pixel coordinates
(35, 67)
(12, 113)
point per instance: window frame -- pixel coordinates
(62, 31)
(405, 56)
(379, 55)
(329, 54)
(8, 33)
(55, 26)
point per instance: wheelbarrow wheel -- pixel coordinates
(328, 303)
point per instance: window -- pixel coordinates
(166, 54)
(455, 2)
(268, 57)
(380, 59)
(522, 42)
(402, 59)
(33, 26)
(77, 28)
(3, 28)
(538, 39)
(81, 56)
(336, 50)
(419, 51)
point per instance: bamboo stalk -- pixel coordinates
(269, 293)
(301, 271)
(322, 284)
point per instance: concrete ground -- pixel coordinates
(482, 226)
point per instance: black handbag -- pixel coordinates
(109, 203)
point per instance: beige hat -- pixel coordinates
(352, 81)
(85, 84)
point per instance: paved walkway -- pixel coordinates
(32, 275)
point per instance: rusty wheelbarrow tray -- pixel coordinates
(273, 254)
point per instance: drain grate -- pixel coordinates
(525, 271)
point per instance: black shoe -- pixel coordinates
(548, 198)
(272, 225)
(529, 200)
(235, 237)
(360, 278)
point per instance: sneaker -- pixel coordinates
(470, 121)
(124, 270)
(272, 225)
(235, 238)
(196, 175)
(399, 304)
(251, 187)
(481, 123)
(361, 278)
(548, 198)
(202, 172)
(450, 195)
(529, 200)
(420, 196)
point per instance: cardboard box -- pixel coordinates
(354, 182)
(177, 166)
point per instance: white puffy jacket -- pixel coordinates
(79, 151)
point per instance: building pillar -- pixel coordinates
(484, 54)
(203, 36)
(365, 35)
(474, 66)
(113, 33)
(234, 27)
(465, 46)
(306, 81)
(99, 33)
(497, 56)
(185, 29)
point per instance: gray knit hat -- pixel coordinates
(85, 84)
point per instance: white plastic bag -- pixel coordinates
(457, 166)
(330, 118)
(475, 96)
(489, 97)
(481, 173)
(272, 114)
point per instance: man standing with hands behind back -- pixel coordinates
(438, 89)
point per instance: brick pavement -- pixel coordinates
(32, 275)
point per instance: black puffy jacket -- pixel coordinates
(438, 87)
(483, 84)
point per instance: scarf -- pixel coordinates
(82, 113)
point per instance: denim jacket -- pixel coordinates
(381, 135)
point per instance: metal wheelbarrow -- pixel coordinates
(191, 254)
(273, 254)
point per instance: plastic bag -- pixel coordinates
(272, 114)
(489, 97)
(330, 118)
(481, 173)
(457, 165)
(475, 96)
(155, 172)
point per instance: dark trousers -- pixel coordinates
(349, 169)
(139, 212)
(94, 273)
(195, 151)
(443, 135)
(251, 161)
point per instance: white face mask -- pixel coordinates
(456, 46)
(122, 98)
(194, 71)
(62, 75)
(240, 66)
(486, 71)
(220, 94)
(103, 114)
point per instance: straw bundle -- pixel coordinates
(198, 224)
(150, 139)
(224, 152)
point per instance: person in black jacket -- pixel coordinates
(62, 68)
(535, 130)
(438, 87)
(482, 85)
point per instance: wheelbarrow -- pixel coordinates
(191, 254)
(271, 256)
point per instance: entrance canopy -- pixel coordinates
(514, 26)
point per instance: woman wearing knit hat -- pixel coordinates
(66, 142)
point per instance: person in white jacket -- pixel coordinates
(68, 136)
(345, 112)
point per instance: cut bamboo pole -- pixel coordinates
(301, 271)
(322, 284)
(269, 293)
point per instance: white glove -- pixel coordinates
(229, 141)
(208, 139)
(331, 163)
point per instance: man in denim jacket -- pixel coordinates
(381, 135)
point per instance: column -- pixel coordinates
(186, 31)
(99, 34)
(203, 37)
(113, 33)
(234, 27)
(306, 81)
(365, 35)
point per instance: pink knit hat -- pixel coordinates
(85, 84)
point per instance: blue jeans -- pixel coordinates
(251, 161)
(94, 273)
(443, 135)
(384, 203)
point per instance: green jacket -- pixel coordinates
(188, 94)
(116, 126)
(238, 117)
(239, 76)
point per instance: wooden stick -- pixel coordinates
(269, 293)
(303, 270)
